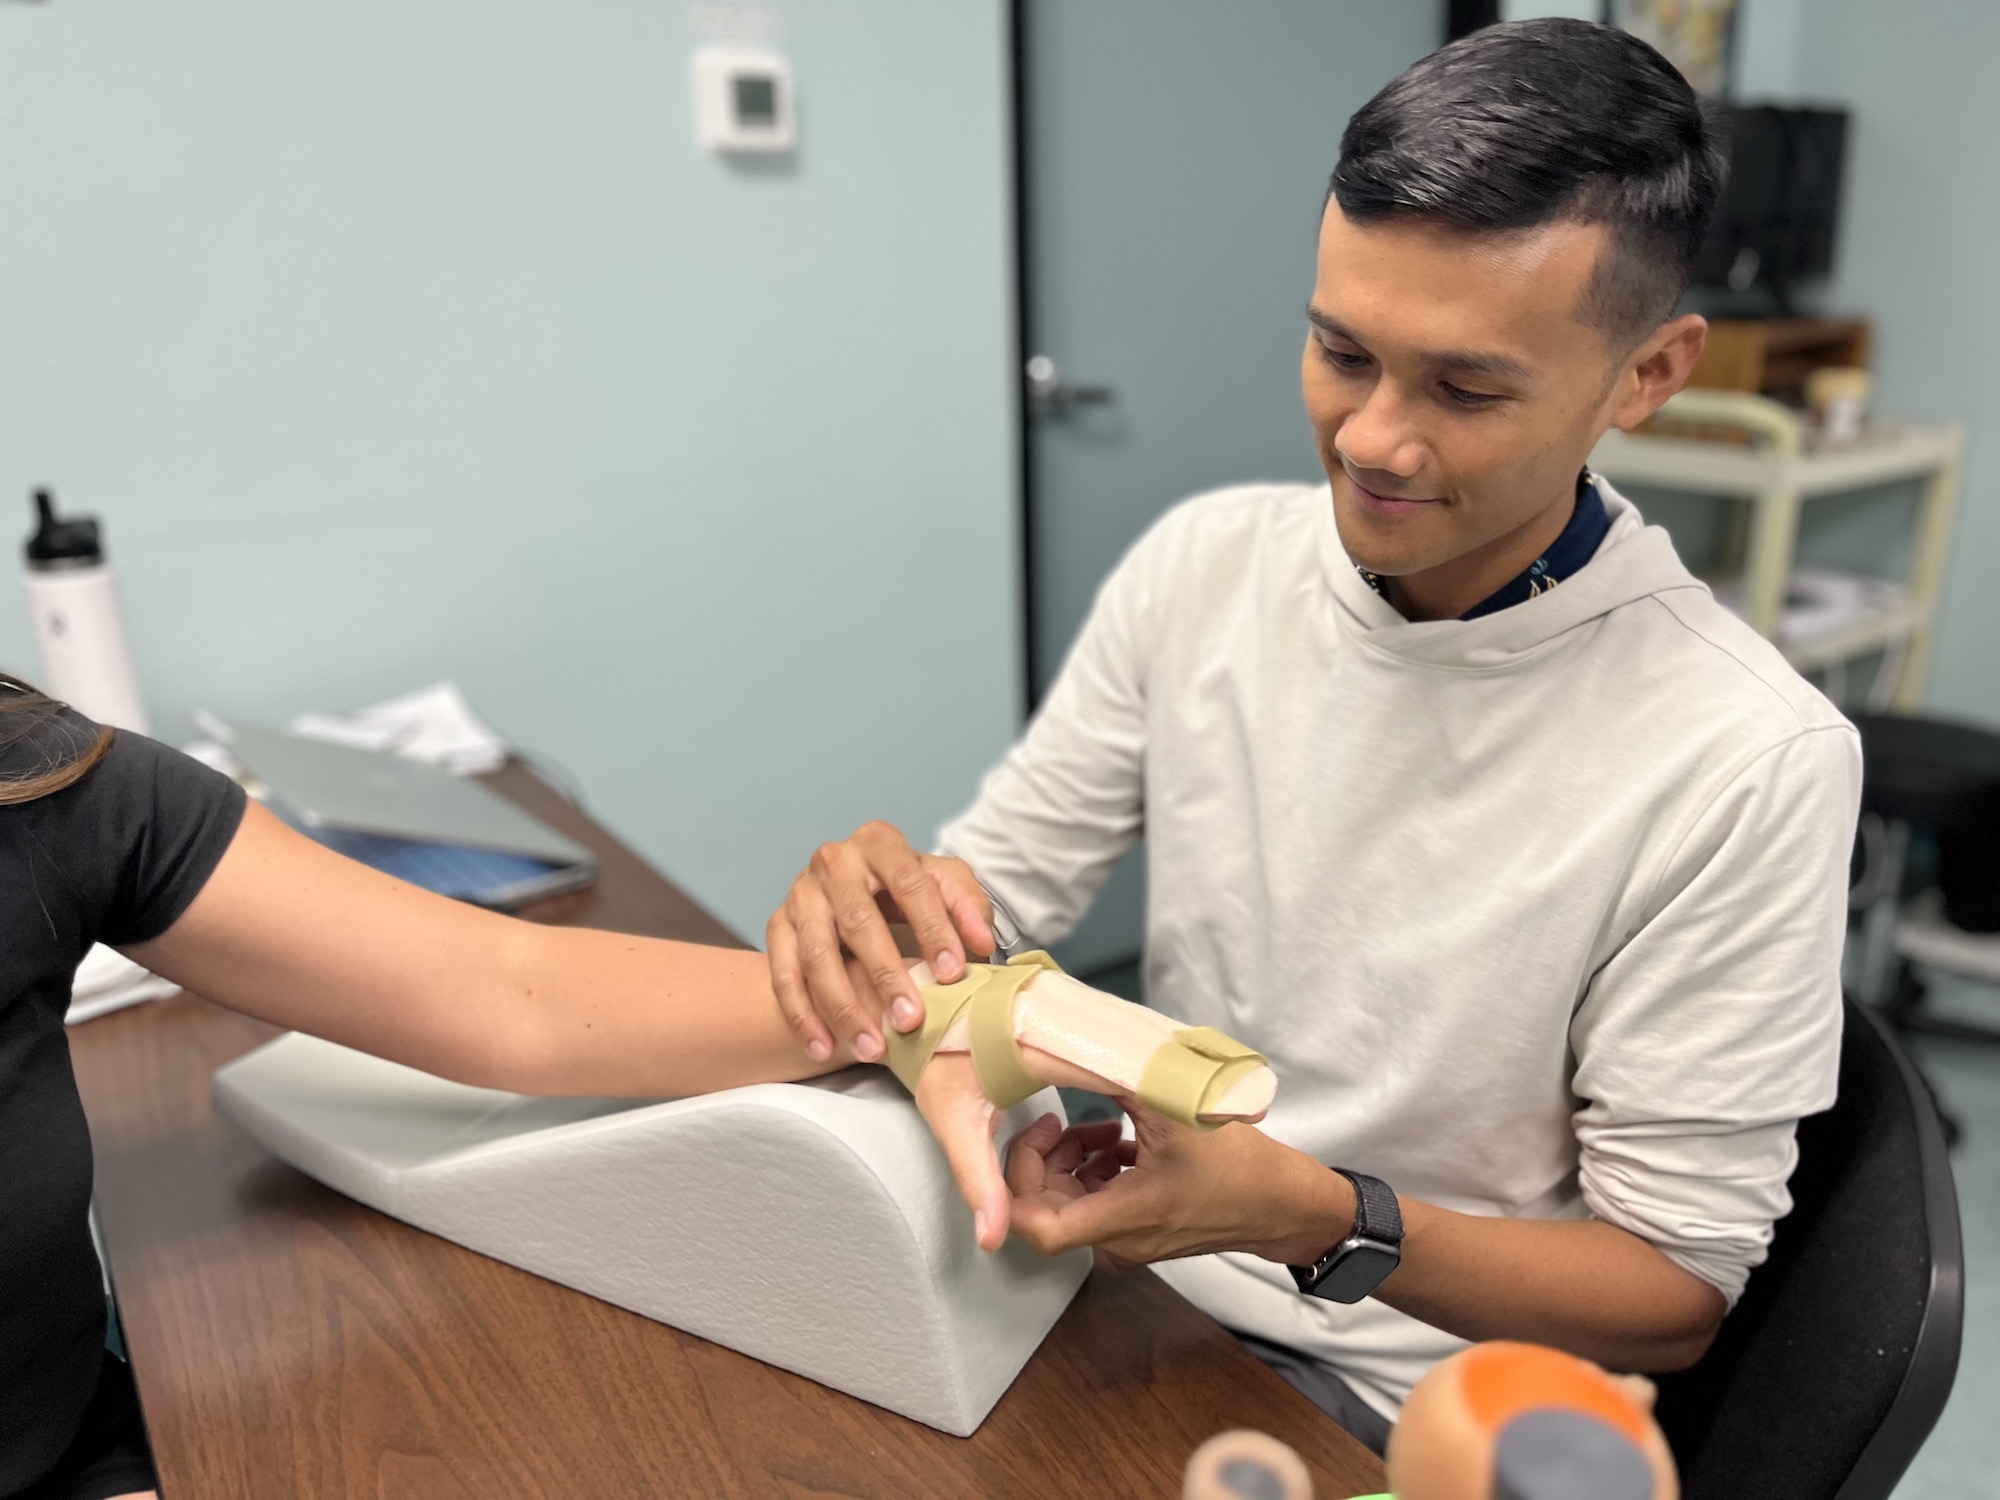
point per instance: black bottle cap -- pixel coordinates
(70, 543)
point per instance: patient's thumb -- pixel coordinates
(968, 1147)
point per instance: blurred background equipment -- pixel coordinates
(1767, 469)
(1837, 398)
(1929, 888)
(1780, 210)
(1776, 357)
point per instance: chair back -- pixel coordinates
(1945, 777)
(1831, 1370)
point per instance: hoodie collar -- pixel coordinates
(1565, 557)
(1633, 562)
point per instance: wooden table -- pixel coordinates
(288, 1341)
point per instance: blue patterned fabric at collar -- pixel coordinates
(1565, 558)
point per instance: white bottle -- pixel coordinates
(78, 625)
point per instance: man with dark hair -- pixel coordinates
(1543, 121)
(1521, 859)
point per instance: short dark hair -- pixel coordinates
(1544, 121)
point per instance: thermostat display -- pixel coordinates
(743, 101)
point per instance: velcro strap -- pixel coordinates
(985, 995)
(1188, 1076)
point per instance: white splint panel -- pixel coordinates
(812, 1226)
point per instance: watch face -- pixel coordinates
(1360, 1269)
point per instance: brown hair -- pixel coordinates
(23, 710)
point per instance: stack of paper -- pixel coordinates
(107, 980)
(433, 724)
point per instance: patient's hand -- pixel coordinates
(963, 1119)
(1068, 1020)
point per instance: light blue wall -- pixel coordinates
(1179, 153)
(1919, 224)
(1528, 10)
(1768, 49)
(403, 341)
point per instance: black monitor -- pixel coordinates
(1775, 224)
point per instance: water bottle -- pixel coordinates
(78, 625)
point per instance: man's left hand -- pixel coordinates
(1173, 1191)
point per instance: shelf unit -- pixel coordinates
(1771, 466)
(1773, 356)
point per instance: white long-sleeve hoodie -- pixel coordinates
(1537, 914)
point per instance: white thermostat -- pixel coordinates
(743, 101)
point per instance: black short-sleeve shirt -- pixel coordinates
(114, 858)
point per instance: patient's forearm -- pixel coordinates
(607, 1014)
(296, 935)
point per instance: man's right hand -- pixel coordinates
(843, 903)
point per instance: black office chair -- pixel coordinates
(1832, 1369)
(1943, 777)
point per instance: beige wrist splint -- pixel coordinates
(1192, 1074)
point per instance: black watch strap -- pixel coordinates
(1357, 1265)
(1376, 1214)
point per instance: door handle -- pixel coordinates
(1049, 395)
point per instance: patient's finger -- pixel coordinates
(1061, 1072)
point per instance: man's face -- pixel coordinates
(1453, 390)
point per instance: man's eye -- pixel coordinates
(1465, 397)
(1340, 359)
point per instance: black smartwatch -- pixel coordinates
(1357, 1265)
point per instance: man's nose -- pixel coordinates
(1381, 436)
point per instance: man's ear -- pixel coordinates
(1659, 367)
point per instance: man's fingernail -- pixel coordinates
(818, 1050)
(904, 1009)
(946, 965)
(868, 1046)
(979, 1226)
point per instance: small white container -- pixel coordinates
(1837, 396)
(79, 627)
